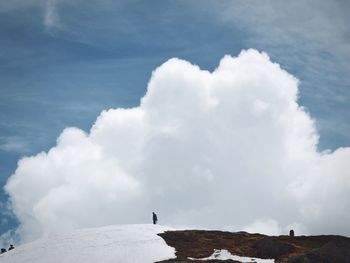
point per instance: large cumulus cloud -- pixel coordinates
(224, 149)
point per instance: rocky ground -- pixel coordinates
(300, 249)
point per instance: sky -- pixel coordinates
(64, 62)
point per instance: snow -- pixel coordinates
(223, 254)
(124, 243)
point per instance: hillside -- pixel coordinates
(154, 243)
(218, 246)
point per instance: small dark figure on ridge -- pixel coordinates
(155, 218)
(3, 250)
(11, 247)
(291, 233)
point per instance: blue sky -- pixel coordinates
(62, 62)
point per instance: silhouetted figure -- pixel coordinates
(11, 247)
(3, 250)
(291, 233)
(155, 218)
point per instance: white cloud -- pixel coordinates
(206, 149)
(266, 226)
(308, 37)
(51, 18)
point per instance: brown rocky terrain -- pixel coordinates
(299, 249)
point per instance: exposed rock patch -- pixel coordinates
(272, 247)
(336, 250)
(283, 249)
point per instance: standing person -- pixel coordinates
(155, 218)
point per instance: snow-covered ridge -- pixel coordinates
(120, 243)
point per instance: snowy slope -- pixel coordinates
(122, 243)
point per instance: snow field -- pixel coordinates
(223, 254)
(124, 243)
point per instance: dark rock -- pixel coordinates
(271, 247)
(200, 261)
(337, 251)
(297, 249)
(299, 259)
